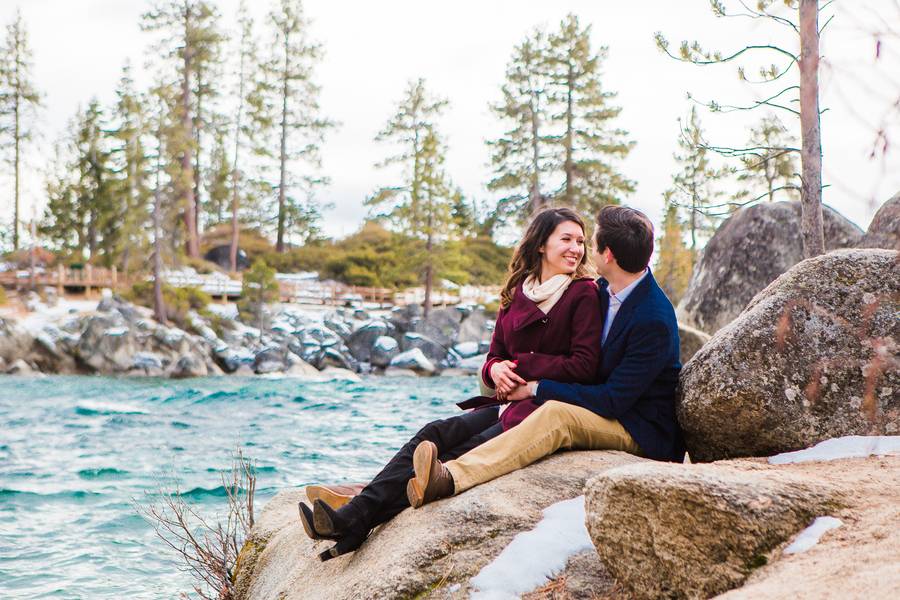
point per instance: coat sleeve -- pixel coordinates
(497, 352)
(645, 357)
(582, 360)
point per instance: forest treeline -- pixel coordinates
(224, 148)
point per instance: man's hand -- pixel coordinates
(521, 392)
(505, 379)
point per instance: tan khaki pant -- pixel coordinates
(553, 426)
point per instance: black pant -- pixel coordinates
(385, 496)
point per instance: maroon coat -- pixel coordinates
(563, 345)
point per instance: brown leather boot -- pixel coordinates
(334, 496)
(432, 481)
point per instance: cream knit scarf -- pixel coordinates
(546, 294)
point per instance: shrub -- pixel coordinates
(179, 301)
(3, 298)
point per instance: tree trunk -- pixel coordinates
(534, 194)
(569, 166)
(159, 305)
(235, 233)
(811, 144)
(17, 161)
(429, 272)
(198, 125)
(282, 180)
(187, 162)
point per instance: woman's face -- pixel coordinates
(563, 250)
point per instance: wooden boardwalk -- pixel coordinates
(90, 280)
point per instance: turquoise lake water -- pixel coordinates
(77, 452)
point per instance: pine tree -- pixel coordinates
(799, 98)
(587, 146)
(218, 180)
(260, 288)
(290, 91)
(249, 119)
(132, 167)
(190, 41)
(696, 193)
(519, 156)
(421, 207)
(82, 213)
(674, 260)
(19, 101)
(770, 163)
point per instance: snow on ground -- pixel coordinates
(809, 537)
(34, 321)
(851, 446)
(533, 557)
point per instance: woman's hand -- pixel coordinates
(505, 378)
(521, 392)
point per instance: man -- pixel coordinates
(631, 408)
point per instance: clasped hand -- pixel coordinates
(510, 386)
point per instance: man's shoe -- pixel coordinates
(334, 496)
(432, 481)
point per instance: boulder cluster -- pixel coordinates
(119, 338)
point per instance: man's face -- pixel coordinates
(598, 255)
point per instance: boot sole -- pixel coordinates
(423, 458)
(309, 527)
(326, 495)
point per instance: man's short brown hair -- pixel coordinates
(628, 233)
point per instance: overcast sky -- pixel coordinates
(461, 48)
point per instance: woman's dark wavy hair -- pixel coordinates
(526, 259)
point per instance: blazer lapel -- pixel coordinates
(624, 315)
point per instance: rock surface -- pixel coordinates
(814, 356)
(691, 341)
(426, 553)
(750, 249)
(692, 531)
(884, 230)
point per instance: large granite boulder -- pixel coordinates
(694, 531)
(431, 348)
(691, 340)
(383, 351)
(813, 356)
(748, 251)
(363, 339)
(413, 360)
(884, 230)
(14, 341)
(107, 345)
(428, 553)
(442, 324)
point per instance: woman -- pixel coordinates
(549, 326)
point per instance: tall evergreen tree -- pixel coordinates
(133, 168)
(190, 40)
(250, 117)
(770, 163)
(85, 205)
(519, 156)
(696, 192)
(422, 205)
(674, 260)
(588, 147)
(799, 97)
(19, 101)
(291, 92)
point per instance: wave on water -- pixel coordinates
(93, 409)
(102, 473)
(13, 494)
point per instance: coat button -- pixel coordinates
(544, 320)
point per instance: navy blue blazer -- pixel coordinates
(639, 367)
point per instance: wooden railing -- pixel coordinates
(90, 278)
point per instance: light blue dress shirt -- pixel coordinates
(615, 303)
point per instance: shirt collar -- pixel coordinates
(623, 294)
